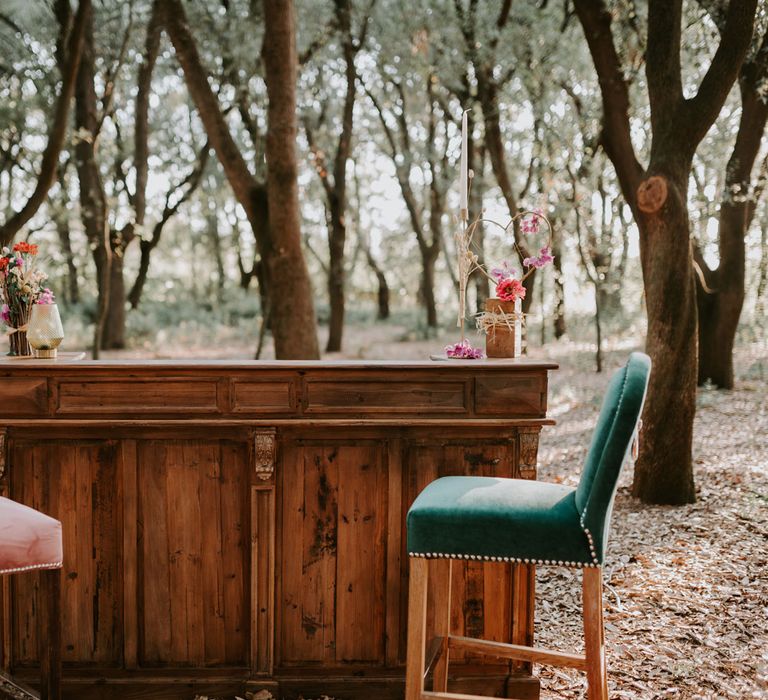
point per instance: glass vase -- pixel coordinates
(45, 331)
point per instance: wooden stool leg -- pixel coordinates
(441, 571)
(49, 634)
(417, 627)
(594, 635)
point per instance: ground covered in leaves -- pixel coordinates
(686, 593)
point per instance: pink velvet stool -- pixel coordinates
(31, 540)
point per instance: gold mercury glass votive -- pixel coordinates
(45, 331)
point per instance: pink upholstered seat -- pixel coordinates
(28, 539)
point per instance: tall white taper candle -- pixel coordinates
(464, 175)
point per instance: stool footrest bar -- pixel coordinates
(452, 696)
(519, 653)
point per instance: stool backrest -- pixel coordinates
(611, 442)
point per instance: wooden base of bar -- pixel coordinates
(233, 525)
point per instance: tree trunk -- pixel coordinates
(598, 329)
(63, 231)
(337, 236)
(292, 312)
(134, 296)
(664, 473)
(762, 276)
(671, 343)
(559, 316)
(720, 307)
(113, 337)
(429, 255)
(93, 202)
(382, 295)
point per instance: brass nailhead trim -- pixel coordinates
(52, 565)
(516, 560)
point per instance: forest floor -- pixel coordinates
(686, 592)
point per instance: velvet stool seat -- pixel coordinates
(30, 540)
(516, 520)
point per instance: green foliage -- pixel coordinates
(550, 114)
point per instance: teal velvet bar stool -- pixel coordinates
(530, 522)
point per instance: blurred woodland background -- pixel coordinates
(133, 137)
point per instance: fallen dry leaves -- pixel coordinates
(686, 593)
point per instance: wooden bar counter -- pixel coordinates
(232, 526)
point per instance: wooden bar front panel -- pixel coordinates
(252, 528)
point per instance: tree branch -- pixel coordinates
(700, 112)
(662, 62)
(243, 183)
(58, 129)
(615, 138)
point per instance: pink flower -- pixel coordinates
(541, 260)
(46, 297)
(503, 272)
(464, 351)
(5, 315)
(531, 223)
(510, 290)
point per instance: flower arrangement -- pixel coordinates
(508, 287)
(463, 351)
(22, 286)
(502, 316)
(502, 313)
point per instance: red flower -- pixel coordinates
(510, 290)
(24, 247)
(3, 263)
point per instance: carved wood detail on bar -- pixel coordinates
(264, 453)
(244, 527)
(528, 441)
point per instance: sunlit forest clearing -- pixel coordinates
(244, 243)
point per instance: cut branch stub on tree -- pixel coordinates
(652, 194)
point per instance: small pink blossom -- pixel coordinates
(5, 314)
(504, 272)
(543, 259)
(464, 351)
(531, 223)
(46, 297)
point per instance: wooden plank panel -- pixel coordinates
(263, 581)
(106, 552)
(378, 396)
(291, 477)
(516, 395)
(75, 482)
(211, 556)
(309, 582)
(138, 396)
(22, 396)
(234, 550)
(129, 517)
(395, 536)
(154, 571)
(361, 555)
(184, 545)
(192, 579)
(262, 396)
